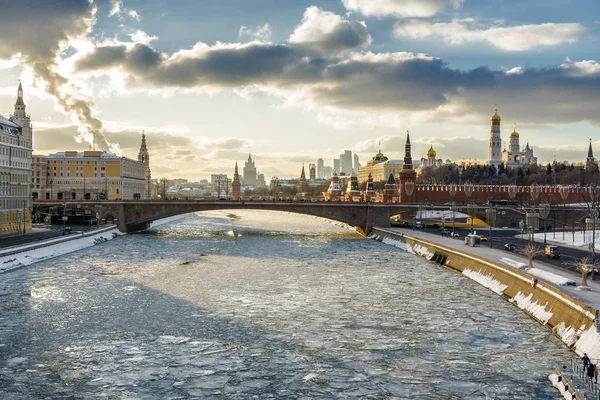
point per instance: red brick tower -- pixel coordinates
(408, 174)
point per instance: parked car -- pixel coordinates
(445, 232)
(509, 247)
(483, 238)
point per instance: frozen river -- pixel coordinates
(262, 305)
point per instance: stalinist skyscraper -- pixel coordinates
(495, 157)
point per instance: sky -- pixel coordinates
(290, 81)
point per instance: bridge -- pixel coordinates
(136, 215)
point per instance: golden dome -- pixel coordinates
(431, 152)
(514, 133)
(495, 118)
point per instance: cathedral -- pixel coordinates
(515, 156)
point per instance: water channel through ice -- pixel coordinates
(262, 305)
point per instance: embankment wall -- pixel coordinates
(568, 318)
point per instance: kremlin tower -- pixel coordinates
(236, 186)
(370, 193)
(303, 184)
(335, 190)
(390, 189)
(353, 190)
(408, 174)
(495, 140)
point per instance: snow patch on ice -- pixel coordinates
(536, 310)
(487, 281)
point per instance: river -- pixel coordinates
(262, 305)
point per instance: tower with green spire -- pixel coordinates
(590, 156)
(408, 176)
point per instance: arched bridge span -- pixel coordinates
(134, 215)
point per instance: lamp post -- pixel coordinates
(64, 217)
(490, 216)
(544, 212)
(452, 191)
(564, 194)
(594, 215)
(468, 188)
(421, 211)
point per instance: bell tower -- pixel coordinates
(143, 155)
(495, 140)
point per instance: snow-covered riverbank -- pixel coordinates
(39, 251)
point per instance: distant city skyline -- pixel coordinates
(292, 82)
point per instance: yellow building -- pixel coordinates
(15, 170)
(380, 168)
(90, 175)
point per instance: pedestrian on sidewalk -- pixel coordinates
(590, 372)
(595, 374)
(586, 362)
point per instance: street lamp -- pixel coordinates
(452, 190)
(64, 218)
(594, 214)
(468, 188)
(544, 212)
(490, 216)
(564, 193)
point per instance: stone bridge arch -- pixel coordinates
(137, 215)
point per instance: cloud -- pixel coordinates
(326, 32)
(262, 33)
(35, 29)
(400, 8)
(514, 38)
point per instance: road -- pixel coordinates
(38, 235)
(569, 255)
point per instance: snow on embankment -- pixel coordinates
(163, 221)
(53, 248)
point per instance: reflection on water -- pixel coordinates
(289, 307)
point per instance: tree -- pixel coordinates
(549, 169)
(530, 251)
(584, 267)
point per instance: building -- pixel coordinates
(320, 166)
(356, 163)
(302, 184)
(516, 157)
(346, 162)
(352, 190)
(334, 192)
(590, 161)
(431, 160)
(407, 177)
(144, 157)
(495, 157)
(336, 166)
(236, 186)
(260, 181)
(16, 170)
(312, 172)
(249, 172)
(91, 175)
(380, 168)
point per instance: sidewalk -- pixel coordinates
(590, 297)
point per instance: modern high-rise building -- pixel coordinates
(336, 165)
(356, 163)
(346, 162)
(320, 166)
(15, 170)
(249, 172)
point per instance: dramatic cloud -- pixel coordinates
(515, 38)
(326, 32)
(400, 8)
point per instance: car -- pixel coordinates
(483, 238)
(509, 247)
(445, 232)
(68, 229)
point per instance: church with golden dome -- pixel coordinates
(431, 160)
(514, 156)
